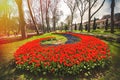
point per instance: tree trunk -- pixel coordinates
(54, 23)
(89, 17)
(47, 17)
(106, 25)
(89, 14)
(75, 26)
(47, 22)
(21, 18)
(112, 15)
(71, 22)
(43, 29)
(81, 27)
(94, 24)
(35, 24)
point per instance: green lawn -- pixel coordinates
(114, 72)
(7, 50)
(100, 32)
(7, 71)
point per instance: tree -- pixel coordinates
(66, 27)
(75, 26)
(94, 24)
(112, 15)
(8, 22)
(41, 11)
(5, 15)
(86, 27)
(21, 18)
(106, 25)
(73, 7)
(54, 11)
(34, 22)
(106, 16)
(45, 14)
(68, 20)
(58, 15)
(91, 4)
(82, 7)
(47, 6)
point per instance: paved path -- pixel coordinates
(70, 38)
(19, 35)
(12, 38)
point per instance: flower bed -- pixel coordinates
(66, 59)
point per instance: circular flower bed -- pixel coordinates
(66, 59)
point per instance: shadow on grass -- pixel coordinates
(9, 72)
(114, 72)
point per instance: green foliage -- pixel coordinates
(61, 70)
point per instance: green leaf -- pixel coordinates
(44, 73)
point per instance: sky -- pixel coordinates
(105, 10)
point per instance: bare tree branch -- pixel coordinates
(98, 9)
(82, 7)
(31, 14)
(93, 3)
(72, 6)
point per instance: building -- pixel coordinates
(102, 22)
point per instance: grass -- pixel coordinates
(114, 72)
(7, 50)
(9, 72)
(59, 39)
(100, 32)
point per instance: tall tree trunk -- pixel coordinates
(54, 23)
(89, 16)
(47, 17)
(71, 22)
(47, 22)
(112, 15)
(94, 24)
(106, 25)
(35, 24)
(81, 27)
(6, 24)
(43, 29)
(21, 18)
(75, 27)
